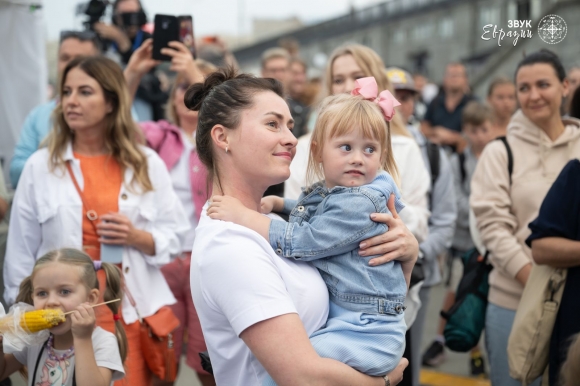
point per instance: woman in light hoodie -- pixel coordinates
(542, 143)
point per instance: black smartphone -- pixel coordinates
(166, 30)
(186, 33)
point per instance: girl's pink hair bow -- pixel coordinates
(368, 89)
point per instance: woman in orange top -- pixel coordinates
(95, 188)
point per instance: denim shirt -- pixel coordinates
(325, 228)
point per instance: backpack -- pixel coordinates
(466, 317)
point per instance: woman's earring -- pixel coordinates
(226, 150)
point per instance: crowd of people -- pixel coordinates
(292, 228)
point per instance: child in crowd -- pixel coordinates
(478, 132)
(351, 157)
(76, 353)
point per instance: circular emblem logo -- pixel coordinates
(552, 29)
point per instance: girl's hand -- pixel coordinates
(268, 204)
(83, 321)
(398, 243)
(227, 208)
(182, 62)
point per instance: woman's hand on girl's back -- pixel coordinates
(83, 321)
(398, 243)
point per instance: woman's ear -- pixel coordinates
(219, 135)
(109, 107)
(565, 87)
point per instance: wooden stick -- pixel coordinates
(96, 305)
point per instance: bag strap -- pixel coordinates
(434, 164)
(510, 156)
(462, 170)
(82, 196)
(131, 300)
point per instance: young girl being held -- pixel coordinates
(76, 353)
(351, 158)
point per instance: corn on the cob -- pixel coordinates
(34, 321)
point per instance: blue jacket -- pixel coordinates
(34, 131)
(326, 226)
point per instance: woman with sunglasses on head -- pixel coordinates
(174, 141)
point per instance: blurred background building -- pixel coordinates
(424, 35)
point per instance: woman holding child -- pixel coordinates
(257, 309)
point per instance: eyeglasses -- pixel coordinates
(80, 35)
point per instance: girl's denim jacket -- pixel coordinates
(325, 228)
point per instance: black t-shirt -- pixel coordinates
(438, 115)
(560, 217)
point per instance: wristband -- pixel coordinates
(387, 380)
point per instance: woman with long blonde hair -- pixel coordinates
(95, 188)
(346, 64)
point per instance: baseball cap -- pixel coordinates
(401, 79)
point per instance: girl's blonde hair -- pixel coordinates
(74, 257)
(122, 137)
(371, 64)
(341, 114)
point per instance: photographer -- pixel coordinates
(125, 33)
(126, 36)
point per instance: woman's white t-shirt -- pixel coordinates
(237, 281)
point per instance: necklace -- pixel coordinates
(52, 355)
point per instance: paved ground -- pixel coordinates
(453, 372)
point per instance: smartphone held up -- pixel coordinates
(170, 28)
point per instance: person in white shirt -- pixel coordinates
(345, 65)
(256, 309)
(96, 189)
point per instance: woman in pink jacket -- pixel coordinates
(174, 141)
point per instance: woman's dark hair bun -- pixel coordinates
(196, 94)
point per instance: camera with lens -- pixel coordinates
(94, 10)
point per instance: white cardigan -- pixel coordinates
(47, 215)
(415, 180)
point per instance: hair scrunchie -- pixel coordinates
(97, 264)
